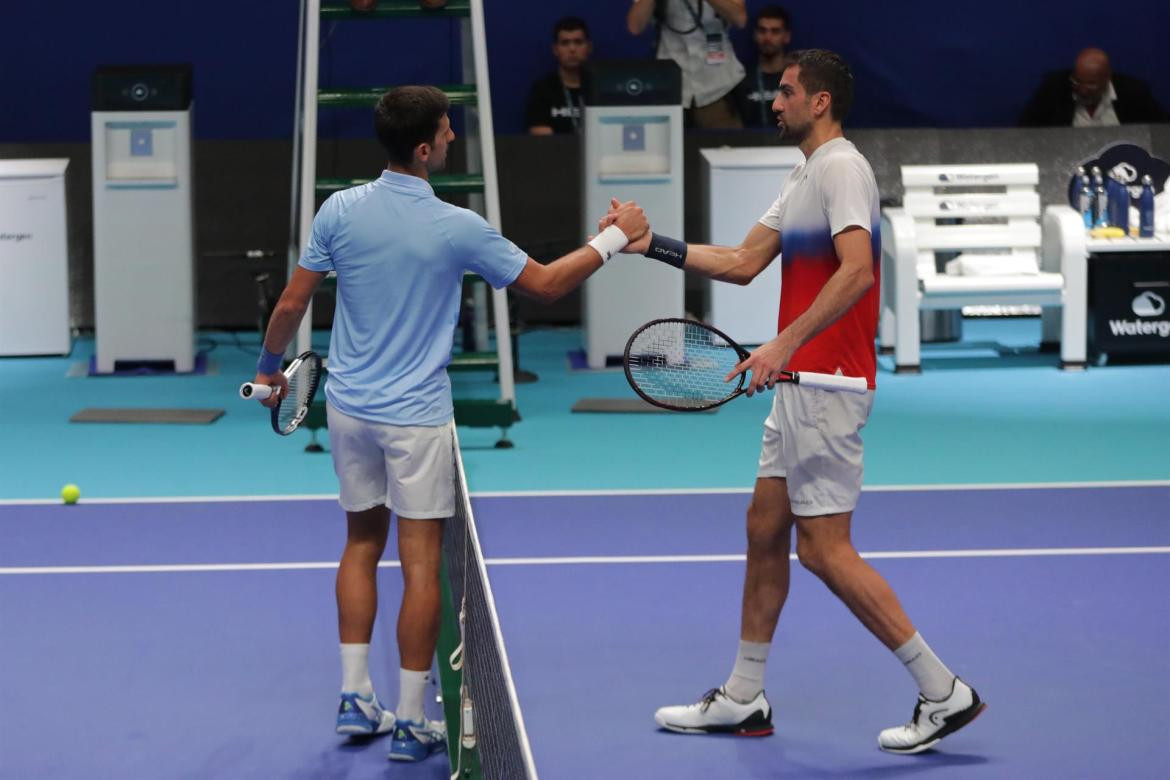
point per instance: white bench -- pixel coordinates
(1005, 255)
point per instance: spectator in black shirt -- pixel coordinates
(554, 103)
(773, 33)
(1091, 95)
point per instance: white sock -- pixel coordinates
(747, 678)
(355, 669)
(934, 679)
(412, 686)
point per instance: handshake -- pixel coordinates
(629, 218)
(624, 228)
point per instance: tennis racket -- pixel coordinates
(303, 375)
(680, 365)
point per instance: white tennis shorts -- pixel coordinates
(407, 468)
(812, 438)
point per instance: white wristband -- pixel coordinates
(609, 242)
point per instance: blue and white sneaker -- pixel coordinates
(363, 715)
(415, 741)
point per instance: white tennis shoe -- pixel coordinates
(718, 713)
(933, 720)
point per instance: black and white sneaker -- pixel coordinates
(933, 720)
(718, 713)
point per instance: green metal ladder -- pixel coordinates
(479, 183)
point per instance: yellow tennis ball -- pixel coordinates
(70, 493)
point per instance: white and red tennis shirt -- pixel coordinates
(830, 191)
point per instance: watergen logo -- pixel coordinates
(1124, 172)
(1147, 304)
(1140, 328)
(17, 237)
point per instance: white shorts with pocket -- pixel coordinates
(407, 468)
(812, 438)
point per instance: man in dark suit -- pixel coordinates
(1091, 95)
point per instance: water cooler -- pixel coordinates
(633, 151)
(144, 259)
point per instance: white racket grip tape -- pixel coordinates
(254, 392)
(850, 384)
(609, 242)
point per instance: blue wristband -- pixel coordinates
(669, 250)
(269, 362)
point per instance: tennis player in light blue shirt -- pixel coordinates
(400, 254)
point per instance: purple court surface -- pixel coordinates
(195, 639)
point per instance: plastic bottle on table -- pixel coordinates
(1084, 197)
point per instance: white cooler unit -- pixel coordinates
(740, 185)
(34, 258)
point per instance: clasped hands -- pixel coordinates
(632, 221)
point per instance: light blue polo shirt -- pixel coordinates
(400, 254)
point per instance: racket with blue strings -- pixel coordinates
(681, 365)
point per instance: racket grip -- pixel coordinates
(255, 392)
(850, 384)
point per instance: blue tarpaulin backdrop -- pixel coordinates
(917, 63)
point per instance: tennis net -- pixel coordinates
(486, 734)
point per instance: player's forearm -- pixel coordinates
(721, 263)
(734, 11)
(282, 326)
(567, 273)
(843, 289)
(639, 16)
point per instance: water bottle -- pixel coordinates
(1086, 199)
(1146, 208)
(1118, 204)
(1095, 184)
(1101, 208)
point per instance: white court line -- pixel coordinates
(583, 560)
(172, 499)
(864, 489)
(618, 492)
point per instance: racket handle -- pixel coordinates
(255, 392)
(850, 384)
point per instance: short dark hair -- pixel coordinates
(822, 70)
(569, 24)
(774, 12)
(406, 117)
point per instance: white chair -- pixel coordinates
(1005, 256)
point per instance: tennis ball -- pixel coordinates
(70, 493)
